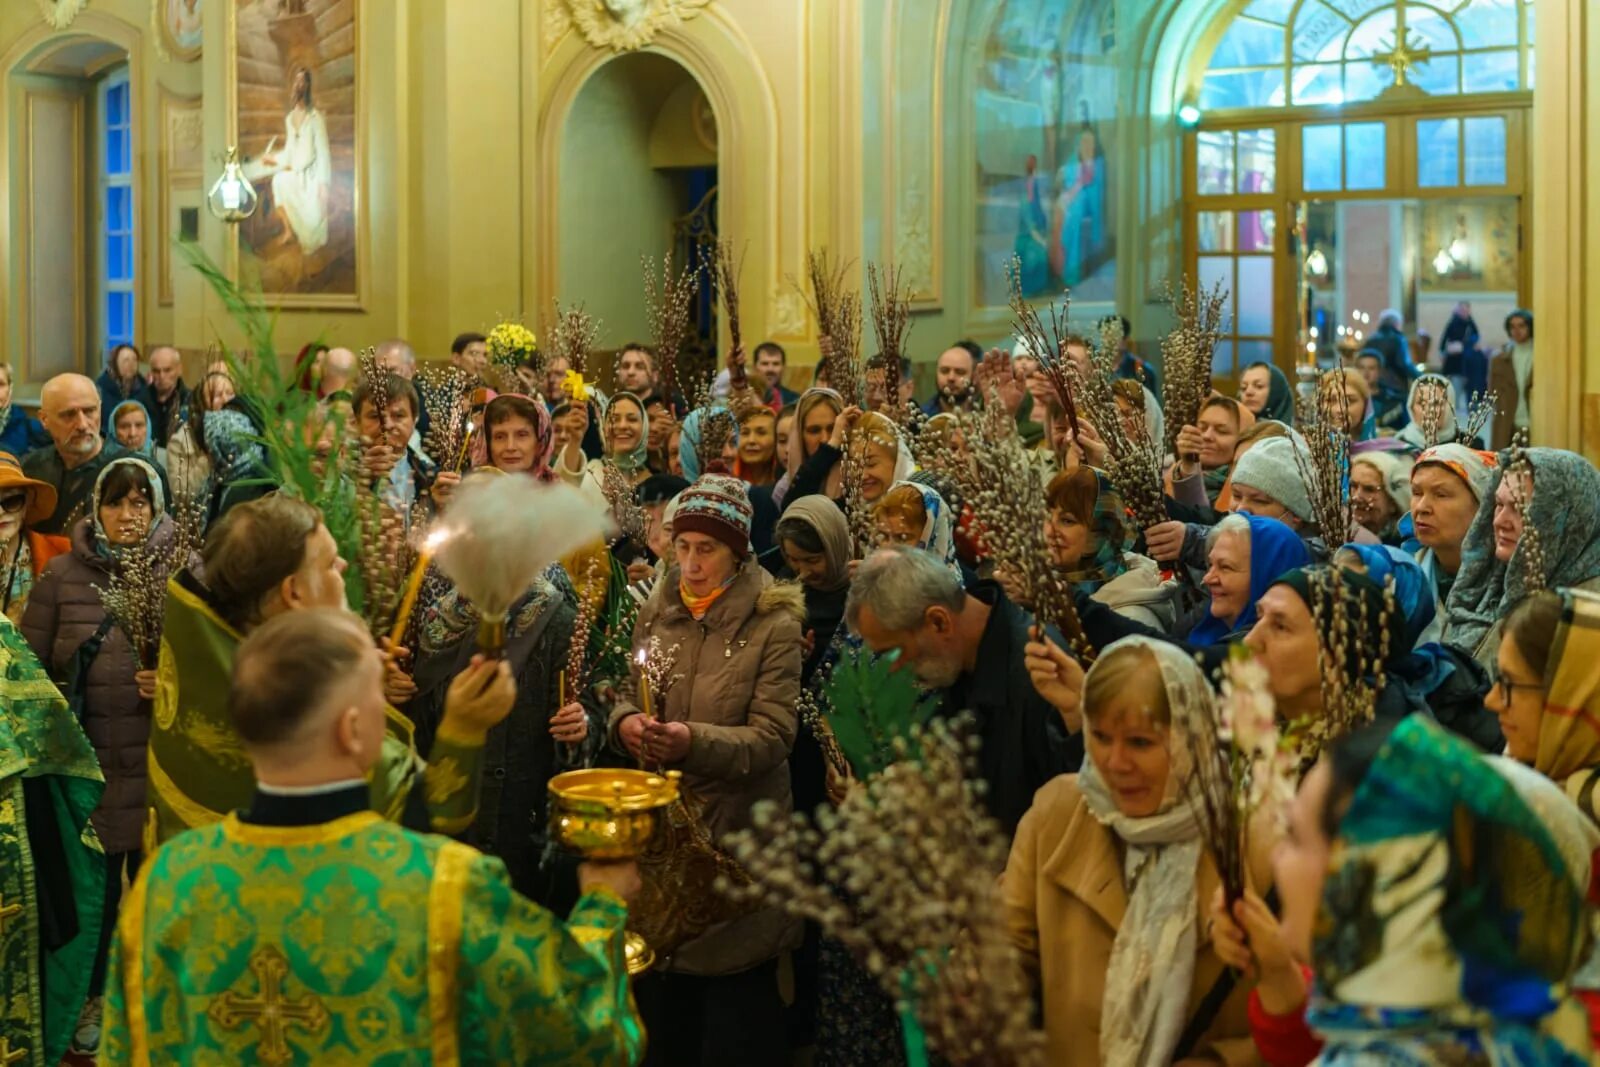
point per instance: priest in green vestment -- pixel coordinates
(264, 558)
(52, 870)
(307, 929)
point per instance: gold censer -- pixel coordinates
(611, 814)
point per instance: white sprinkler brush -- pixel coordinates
(500, 534)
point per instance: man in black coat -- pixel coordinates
(969, 644)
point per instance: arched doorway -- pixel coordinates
(1350, 156)
(637, 177)
(73, 195)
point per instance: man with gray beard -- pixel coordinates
(69, 409)
(969, 644)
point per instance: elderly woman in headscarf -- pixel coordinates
(1448, 483)
(1437, 898)
(107, 680)
(914, 514)
(1108, 875)
(1090, 542)
(1309, 657)
(130, 425)
(517, 437)
(1449, 682)
(1246, 554)
(1559, 502)
(812, 465)
(1266, 392)
(1432, 407)
(1380, 493)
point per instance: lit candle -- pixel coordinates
(413, 587)
(644, 686)
(466, 442)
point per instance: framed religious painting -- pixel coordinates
(178, 28)
(292, 113)
(1047, 110)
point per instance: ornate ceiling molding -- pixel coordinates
(617, 25)
(60, 13)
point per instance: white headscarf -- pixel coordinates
(1147, 984)
(1412, 433)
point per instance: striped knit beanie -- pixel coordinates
(717, 506)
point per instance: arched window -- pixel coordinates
(1288, 53)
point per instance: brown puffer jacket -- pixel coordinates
(736, 677)
(63, 612)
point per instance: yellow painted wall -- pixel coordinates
(127, 24)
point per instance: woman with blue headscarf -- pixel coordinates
(1246, 555)
(1447, 682)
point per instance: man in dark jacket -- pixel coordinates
(164, 395)
(1398, 370)
(970, 645)
(69, 409)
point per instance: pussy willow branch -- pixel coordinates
(1325, 462)
(916, 907)
(1530, 545)
(1186, 356)
(1002, 484)
(891, 322)
(377, 379)
(724, 271)
(447, 395)
(1133, 462)
(1048, 347)
(1481, 413)
(573, 336)
(667, 302)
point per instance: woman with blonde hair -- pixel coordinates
(1108, 878)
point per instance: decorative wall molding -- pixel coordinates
(617, 25)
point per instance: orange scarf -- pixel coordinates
(699, 605)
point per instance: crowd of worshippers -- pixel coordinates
(1426, 898)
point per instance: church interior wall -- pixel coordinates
(850, 126)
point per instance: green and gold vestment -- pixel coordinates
(198, 768)
(358, 942)
(49, 783)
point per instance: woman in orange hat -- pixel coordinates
(23, 551)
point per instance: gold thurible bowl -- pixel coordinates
(606, 814)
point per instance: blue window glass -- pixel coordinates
(1346, 38)
(1438, 153)
(1255, 295)
(1485, 158)
(1222, 360)
(1322, 158)
(1365, 156)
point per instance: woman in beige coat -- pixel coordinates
(725, 649)
(1108, 883)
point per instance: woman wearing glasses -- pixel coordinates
(23, 551)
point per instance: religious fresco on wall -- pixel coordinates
(1469, 245)
(1046, 110)
(295, 68)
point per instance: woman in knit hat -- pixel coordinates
(1447, 484)
(1380, 493)
(729, 638)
